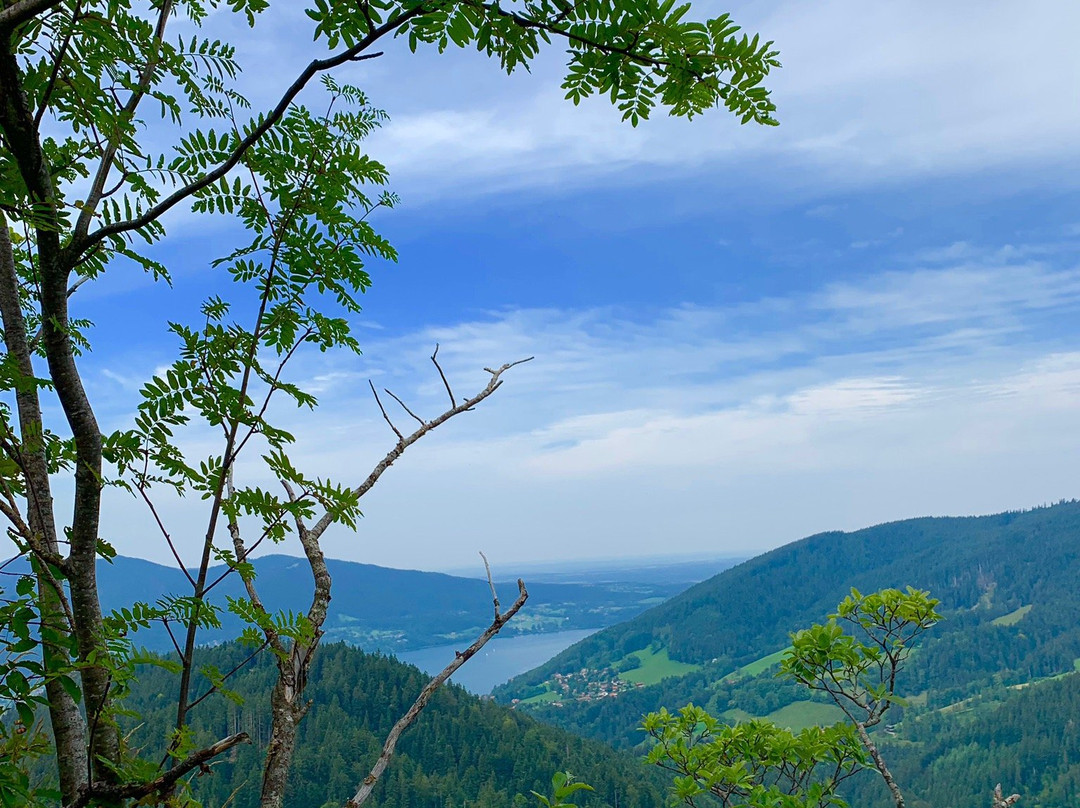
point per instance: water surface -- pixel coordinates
(499, 660)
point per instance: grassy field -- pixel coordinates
(737, 715)
(540, 698)
(1012, 618)
(795, 716)
(918, 700)
(761, 665)
(802, 714)
(656, 666)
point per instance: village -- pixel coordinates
(585, 685)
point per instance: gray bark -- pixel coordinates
(22, 140)
(67, 723)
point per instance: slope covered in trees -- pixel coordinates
(1027, 738)
(378, 608)
(1006, 582)
(462, 750)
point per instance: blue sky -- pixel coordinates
(742, 336)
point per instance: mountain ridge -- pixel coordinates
(381, 608)
(982, 568)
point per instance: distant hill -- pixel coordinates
(678, 571)
(383, 609)
(1008, 586)
(462, 751)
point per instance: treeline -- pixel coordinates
(463, 751)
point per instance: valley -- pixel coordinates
(991, 694)
(1010, 640)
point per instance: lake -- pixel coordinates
(500, 660)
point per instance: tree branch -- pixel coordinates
(23, 11)
(403, 723)
(353, 54)
(382, 409)
(129, 791)
(401, 404)
(494, 383)
(879, 763)
(435, 361)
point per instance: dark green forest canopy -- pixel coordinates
(1028, 738)
(462, 750)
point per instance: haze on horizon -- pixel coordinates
(742, 337)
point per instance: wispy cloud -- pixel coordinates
(866, 94)
(949, 387)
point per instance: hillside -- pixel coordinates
(461, 750)
(1007, 584)
(1026, 738)
(382, 609)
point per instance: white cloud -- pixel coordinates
(949, 389)
(867, 93)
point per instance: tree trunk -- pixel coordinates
(67, 723)
(21, 137)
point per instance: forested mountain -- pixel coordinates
(1007, 585)
(378, 608)
(462, 751)
(1027, 738)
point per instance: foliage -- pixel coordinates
(563, 786)
(754, 763)
(858, 671)
(758, 764)
(108, 122)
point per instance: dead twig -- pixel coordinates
(113, 792)
(401, 403)
(368, 785)
(491, 583)
(446, 384)
(494, 383)
(382, 409)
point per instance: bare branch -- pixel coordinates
(232, 672)
(491, 583)
(494, 383)
(175, 644)
(126, 791)
(164, 532)
(401, 403)
(368, 785)
(382, 409)
(435, 360)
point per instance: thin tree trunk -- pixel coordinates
(286, 711)
(68, 727)
(21, 137)
(879, 763)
